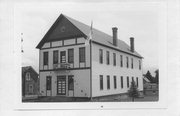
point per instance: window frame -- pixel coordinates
(55, 60)
(101, 81)
(122, 82)
(114, 59)
(127, 81)
(127, 61)
(108, 82)
(132, 65)
(28, 76)
(45, 58)
(107, 57)
(82, 55)
(71, 55)
(101, 56)
(121, 60)
(115, 82)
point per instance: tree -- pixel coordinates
(133, 91)
(157, 76)
(149, 76)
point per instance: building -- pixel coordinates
(30, 81)
(69, 67)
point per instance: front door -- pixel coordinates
(61, 85)
(48, 86)
(71, 85)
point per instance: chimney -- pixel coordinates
(114, 30)
(132, 44)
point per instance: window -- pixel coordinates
(108, 82)
(114, 59)
(107, 57)
(137, 81)
(28, 76)
(139, 65)
(48, 83)
(45, 56)
(55, 57)
(63, 56)
(121, 60)
(82, 54)
(101, 82)
(115, 85)
(100, 56)
(70, 55)
(132, 78)
(121, 81)
(127, 82)
(132, 63)
(127, 62)
(70, 82)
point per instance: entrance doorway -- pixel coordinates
(61, 85)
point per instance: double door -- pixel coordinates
(61, 85)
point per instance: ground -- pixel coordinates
(147, 98)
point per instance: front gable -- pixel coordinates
(61, 29)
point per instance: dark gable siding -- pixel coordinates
(63, 29)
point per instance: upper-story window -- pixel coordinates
(127, 62)
(82, 54)
(107, 57)
(114, 59)
(45, 58)
(121, 60)
(28, 76)
(55, 57)
(63, 56)
(71, 55)
(139, 65)
(132, 63)
(100, 56)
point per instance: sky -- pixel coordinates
(139, 20)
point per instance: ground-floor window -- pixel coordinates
(127, 82)
(101, 82)
(115, 85)
(70, 82)
(137, 81)
(121, 81)
(108, 82)
(48, 83)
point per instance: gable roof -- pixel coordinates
(97, 36)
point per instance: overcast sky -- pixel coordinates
(138, 20)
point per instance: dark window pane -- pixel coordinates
(132, 63)
(48, 83)
(137, 81)
(115, 85)
(121, 57)
(70, 83)
(127, 81)
(107, 57)
(127, 62)
(55, 57)
(82, 54)
(45, 58)
(101, 82)
(108, 82)
(101, 56)
(114, 59)
(70, 55)
(121, 81)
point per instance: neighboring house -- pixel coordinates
(30, 81)
(68, 67)
(149, 88)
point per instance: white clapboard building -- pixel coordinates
(71, 66)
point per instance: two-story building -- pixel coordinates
(69, 67)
